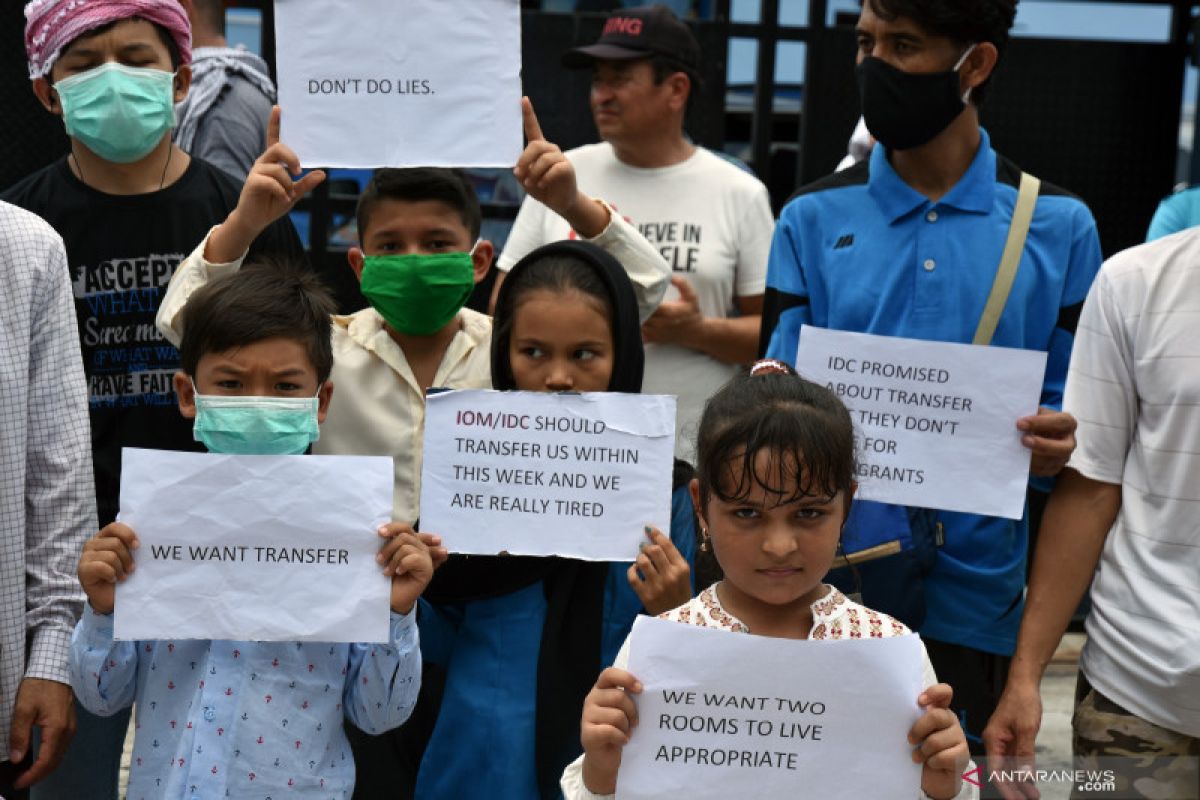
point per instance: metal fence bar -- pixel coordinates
(761, 124)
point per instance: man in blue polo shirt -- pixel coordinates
(907, 244)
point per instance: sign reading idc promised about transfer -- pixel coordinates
(400, 83)
(936, 422)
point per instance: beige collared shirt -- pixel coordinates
(378, 407)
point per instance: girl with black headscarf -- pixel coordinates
(514, 644)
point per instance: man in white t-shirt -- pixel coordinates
(1126, 511)
(710, 219)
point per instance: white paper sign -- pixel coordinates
(254, 548)
(400, 83)
(936, 422)
(539, 474)
(726, 715)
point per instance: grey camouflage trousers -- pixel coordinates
(1147, 761)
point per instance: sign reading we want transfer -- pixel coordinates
(400, 83)
(540, 474)
(725, 715)
(254, 548)
(936, 422)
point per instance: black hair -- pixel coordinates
(803, 426)
(964, 22)
(567, 266)
(163, 34)
(449, 186)
(556, 273)
(263, 300)
(664, 67)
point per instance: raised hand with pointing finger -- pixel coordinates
(272, 189)
(548, 176)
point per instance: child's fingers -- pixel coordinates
(602, 736)
(530, 155)
(111, 561)
(406, 556)
(540, 169)
(612, 717)
(559, 173)
(273, 126)
(616, 700)
(411, 562)
(269, 175)
(658, 557)
(932, 721)
(288, 157)
(405, 551)
(123, 532)
(391, 547)
(646, 567)
(282, 155)
(938, 696)
(430, 539)
(96, 571)
(533, 128)
(394, 529)
(668, 547)
(306, 184)
(614, 678)
(953, 761)
(107, 544)
(110, 549)
(939, 740)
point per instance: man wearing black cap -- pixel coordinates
(710, 220)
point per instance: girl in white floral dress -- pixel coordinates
(775, 479)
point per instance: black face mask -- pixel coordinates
(905, 109)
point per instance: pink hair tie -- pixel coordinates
(770, 366)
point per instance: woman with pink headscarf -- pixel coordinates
(129, 205)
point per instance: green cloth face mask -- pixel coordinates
(120, 113)
(256, 426)
(418, 294)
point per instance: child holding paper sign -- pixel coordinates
(776, 476)
(520, 639)
(247, 719)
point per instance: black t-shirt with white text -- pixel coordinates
(122, 252)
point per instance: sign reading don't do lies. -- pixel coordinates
(400, 83)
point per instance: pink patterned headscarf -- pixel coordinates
(50, 25)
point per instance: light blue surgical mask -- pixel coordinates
(120, 113)
(256, 426)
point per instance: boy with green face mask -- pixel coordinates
(129, 206)
(419, 258)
